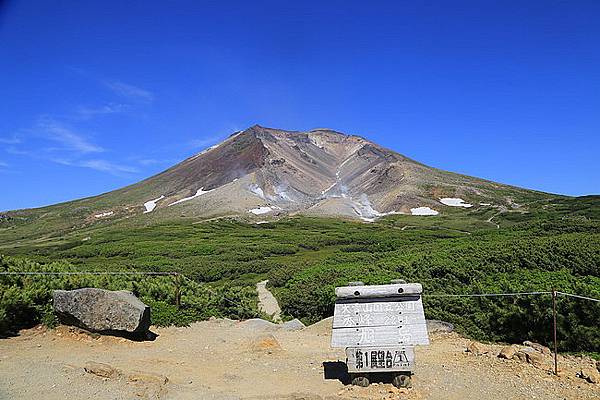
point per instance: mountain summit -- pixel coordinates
(262, 172)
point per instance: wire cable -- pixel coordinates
(485, 294)
(172, 273)
(578, 296)
(87, 273)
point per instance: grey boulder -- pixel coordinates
(100, 310)
(293, 325)
(435, 326)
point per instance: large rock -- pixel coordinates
(100, 310)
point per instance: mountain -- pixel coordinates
(261, 173)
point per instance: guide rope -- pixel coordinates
(578, 296)
(485, 294)
(87, 273)
(510, 294)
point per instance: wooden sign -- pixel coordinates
(378, 312)
(381, 315)
(380, 359)
(371, 291)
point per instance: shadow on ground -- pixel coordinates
(336, 370)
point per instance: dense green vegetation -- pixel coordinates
(27, 300)
(554, 245)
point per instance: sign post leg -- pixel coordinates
(555, 342)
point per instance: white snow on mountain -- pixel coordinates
(151, 204)
(455, 202)
(423, 211)
(199, 192)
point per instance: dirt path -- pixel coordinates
(228, 360)
(502, 209)
(267, 303)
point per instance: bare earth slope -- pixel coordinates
(225, 359)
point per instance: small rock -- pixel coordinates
(530, 355)
(508, 352)
(304, 396)
(474, 348)
(293, 325)
(267, 343)
(147, 377)
(100, 369)
(257, 324)
(536, 346)
(589, 374)
(435, 326)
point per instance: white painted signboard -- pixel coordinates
(380, 359)
(381, 315)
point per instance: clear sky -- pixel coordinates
(95, 95)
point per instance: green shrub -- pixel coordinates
(27, 300)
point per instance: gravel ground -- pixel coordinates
(225, 359)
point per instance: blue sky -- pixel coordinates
(97, 95)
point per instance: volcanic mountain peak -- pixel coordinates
(265, 171)
(269, 172)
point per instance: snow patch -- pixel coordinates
(199, 192)
(485, 204)
(455, 202)
(151, 204)
(104, 214)
(261, 210)
(210, 148)
(206, 151)
(423, 211)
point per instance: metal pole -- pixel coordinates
(555, 342)
(177, 291)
